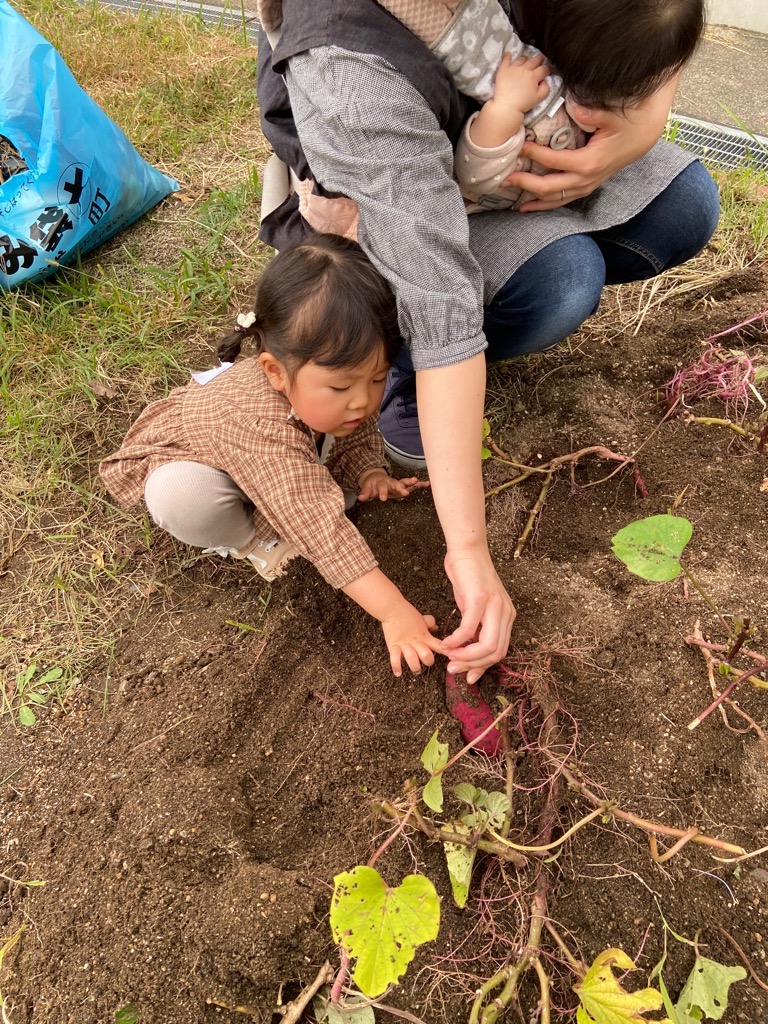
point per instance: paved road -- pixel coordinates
(727, 77)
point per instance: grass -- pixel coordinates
(81, 353)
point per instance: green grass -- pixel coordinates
(171, 83)
(81, 353)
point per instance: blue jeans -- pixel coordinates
(554, 292)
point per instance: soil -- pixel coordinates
(189, 812)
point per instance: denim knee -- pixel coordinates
(673, 228)
(547, 299)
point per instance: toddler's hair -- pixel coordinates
(611, 53)
(321, 301)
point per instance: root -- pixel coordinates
(549, 469)
(292, 1012)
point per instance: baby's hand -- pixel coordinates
(520, 83)
(408, 635)
(376, 483)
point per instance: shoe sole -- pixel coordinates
(415, 462)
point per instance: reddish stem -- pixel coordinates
(341, 978)
(719, 700)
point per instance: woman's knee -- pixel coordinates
(695, 197)
(547, 299)
(672, 229)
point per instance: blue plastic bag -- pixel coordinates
(83, 180)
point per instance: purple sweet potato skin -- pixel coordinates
(473, 713)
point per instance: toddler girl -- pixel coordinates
(231, 462)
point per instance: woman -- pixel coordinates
(367, 112)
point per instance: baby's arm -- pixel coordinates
(618, 140)
(408, 633)
(519, 86)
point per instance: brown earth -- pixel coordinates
(189, 813)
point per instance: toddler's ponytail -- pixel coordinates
(228, 349)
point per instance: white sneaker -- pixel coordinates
(268, 557)
(222, 552)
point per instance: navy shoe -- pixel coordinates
(399, 420)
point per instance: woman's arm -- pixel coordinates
(452, 447)
(618, 140)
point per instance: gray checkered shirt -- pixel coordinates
(369, 134)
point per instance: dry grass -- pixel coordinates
(81, 353)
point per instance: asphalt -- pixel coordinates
(727, 80)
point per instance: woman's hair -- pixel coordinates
(321, 301)
(614, 52)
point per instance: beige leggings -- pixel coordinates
(200, 506)
(204, 507)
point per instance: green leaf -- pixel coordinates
(498, 805)
(50, 677)
(705, 994)
(347, 1013)
(127, 1015)
(26, 715)
(23, 677)
(467, 793)
(432, 794)
(434, 757)
(486, 453)
(651, 547)
(460, 860)
(381, 927)
(604, 1001)
(36, 698)
(673, 1014)
(476, 821)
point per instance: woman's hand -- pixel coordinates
(618, 140)
(487, 613)
(451, 416)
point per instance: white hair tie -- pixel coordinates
(245, 320)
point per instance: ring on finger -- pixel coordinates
(563, 195)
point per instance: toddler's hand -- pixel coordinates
(376, 483)
(408, 635)
(520, 84)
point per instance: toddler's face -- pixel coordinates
(336, 401)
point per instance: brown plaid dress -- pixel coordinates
(239, 424)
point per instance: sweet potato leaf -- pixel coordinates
(605, 1001)
(705, 993)
(651, 547)
(381, 927)
(460, 860)
(434, 757)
